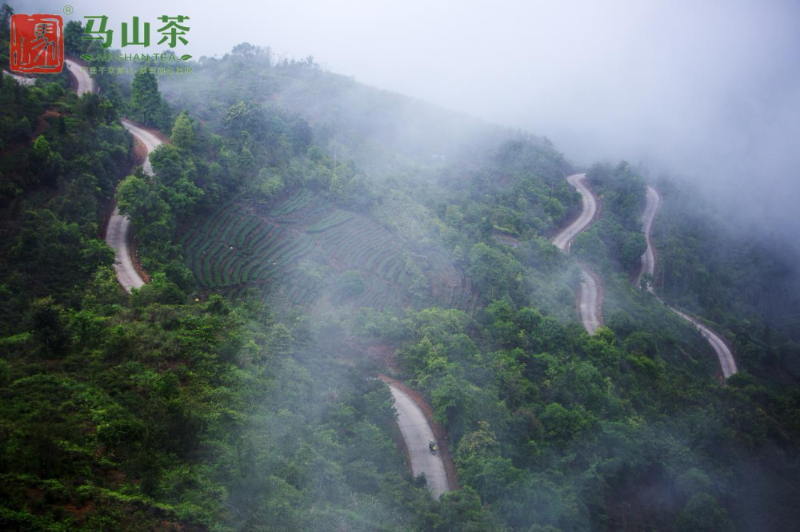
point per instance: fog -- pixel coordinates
(706, 90)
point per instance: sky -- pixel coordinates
(709, 90)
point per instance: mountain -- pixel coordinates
(305, 240)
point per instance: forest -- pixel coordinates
(304, 234)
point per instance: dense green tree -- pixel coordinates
(41, 159)
(268, 185)
(146, 104)
(703, 514)
(182, 133)
(623, 191)
(51, 251)
(177, 175)
(47, 322)
(73, 38)
(151, 216)
(243, 117)
(490, 269)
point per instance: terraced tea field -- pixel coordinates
(245, 251)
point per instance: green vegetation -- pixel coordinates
(337, 218)
(300, 243)
(616, 239)
(744, 284)
(546, 422)
(298, 221)
(350, 283)
(146, 104)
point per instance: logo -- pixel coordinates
(37, 44)
(172, 33)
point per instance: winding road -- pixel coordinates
(589, 298)
(148, 139)
(564, 239)
(22, 80)
(413, 424)
(417, 432)
(85, 81)
(724, 354)
(119, 226)
(117, 234)
(118, 230)
(652, 204)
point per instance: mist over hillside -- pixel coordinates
(402, 266)
(706, 93)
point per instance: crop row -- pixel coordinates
(281, 255)
(215, 262)
(296, 202)
(356, 247)
(270, 255)
(202, 225)
(231, 242)
(227, 225)
(338, 217)
(236, 251)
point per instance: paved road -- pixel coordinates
(724, 354)
(589, 309)
(150, 141)
(589, 300)
(118, 230)
(117, 235)
(85, 81)
(119, 227)
(564, 239)
(651, 206)
(21, 79)
(417, 433)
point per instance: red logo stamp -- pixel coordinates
(37, 43)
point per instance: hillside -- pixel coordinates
(304, 249)
(307, 239)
